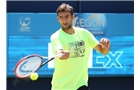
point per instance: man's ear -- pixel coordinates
(57, 18)
(73, 16)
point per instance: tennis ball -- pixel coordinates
(34, 76)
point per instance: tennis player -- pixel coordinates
(71, 70)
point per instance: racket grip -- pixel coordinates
(59, 55)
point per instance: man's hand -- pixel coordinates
(66, 54)
(105, 43)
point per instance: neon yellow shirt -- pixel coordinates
(72, 73)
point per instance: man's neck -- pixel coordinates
(69, 31)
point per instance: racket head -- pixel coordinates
(28, 65)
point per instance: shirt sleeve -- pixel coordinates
(91, 39)
(55, 43)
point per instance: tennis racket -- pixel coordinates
(31, 63)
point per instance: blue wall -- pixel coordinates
(35, 37)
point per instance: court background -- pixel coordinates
(108, 83)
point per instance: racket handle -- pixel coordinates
(59, 55)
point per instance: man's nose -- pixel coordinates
(64, 20)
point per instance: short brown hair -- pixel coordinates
(65, 8)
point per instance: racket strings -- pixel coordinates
(29, 65)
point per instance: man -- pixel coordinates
(71, 70)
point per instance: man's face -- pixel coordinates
(65, 20)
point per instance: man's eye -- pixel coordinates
(67, 16)
(61, 18)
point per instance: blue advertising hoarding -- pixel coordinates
(29, 33)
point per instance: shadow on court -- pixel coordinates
(95, 83)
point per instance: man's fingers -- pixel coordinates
(104, 42)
